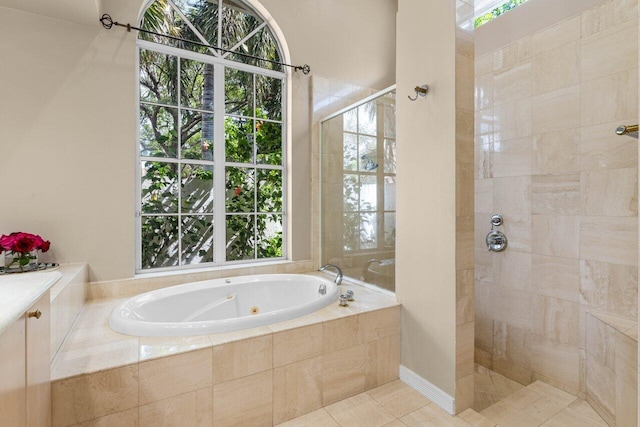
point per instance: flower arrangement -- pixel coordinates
(21, 250)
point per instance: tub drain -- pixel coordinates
(254, 310)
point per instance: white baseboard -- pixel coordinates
(428, 390)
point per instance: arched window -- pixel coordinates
(211, 138)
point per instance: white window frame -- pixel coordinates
(219, 158)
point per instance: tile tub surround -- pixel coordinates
(548, 159)
(68, 296)
(261, 376)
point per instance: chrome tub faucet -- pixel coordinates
(338, 279)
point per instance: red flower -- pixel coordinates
(23, 243)
(237, 191)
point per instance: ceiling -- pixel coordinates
(78, 11)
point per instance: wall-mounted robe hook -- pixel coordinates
(420, 91)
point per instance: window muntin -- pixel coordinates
(212, 176)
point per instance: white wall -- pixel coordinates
(68, 125)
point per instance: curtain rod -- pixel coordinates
(107, 22)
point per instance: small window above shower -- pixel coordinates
(358, 190)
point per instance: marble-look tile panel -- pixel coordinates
(380, 324)
(513, 83)
(609, 287)
(512, 270)
(512, 54)
(511, 344)
(343, 374)
(465, 391)
(398, 399)
(128, 418)
(242, 358)
(382, 363)
(512, 195)
(483, 260)
(558, 35)
(555, 235)
(464, 350)
(610, 192)
(192, 409)
(609, 239)
(483, 201)
(556, 361)
(578, 414)
(556, 153)
(610, 98)
(601, 148)
(245, 401)
(601, 389)
(610, 51)
(91, 396)
(492, 387)
(556, 277)
(557, 319)
(556, 68)
(171, 376)
(465, 241)
(626, 404)
(342, 333)
(517, 228)
(464, 82)
(555, 194)
(557, 110)
(626, 360)
(150, 348)
(359, 410)
(483, 336)
(513, 120)
(512, 158)
(297, 344)
(483, 91)
(465, 311)
(608, 15)
(484, 126)
(483, 64)
(514, 306)
(297, 389)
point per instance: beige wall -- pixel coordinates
(434, 197)
(548, 160)
(67, 156)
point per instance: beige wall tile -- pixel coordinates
(511, 344)
(610, 287)
(556, 153)
(557, 110)
(483, 91)
(517, 228)
(483, 335)
(626, 363)
(127, 418)
(343, 374)
(342, 333)
(192, 409)
(297, 344)
(511, 163)
(555, 235)
(464, 393)
(359, 410)
(175, 375)
(556, 68)
(464, 82)
(398, 399)
(610, 51)
(512, 270)
(555, 194)
(512, 195)
(626, 404)
(512, 371)
(484, 64)
(601, 148)
(554, 360)
(464, 349)
(513, 306)
(512, 84)
(483, 195)
(379, 324)
(512, 54)
(601, 389)
(483, 154)
(241, 358)
(557, 320)
(609, 239)
(297, 389)
(464, 296)
(608, 15)
(484, 126)
(465, 240)
(609, 98)
(92, 396)
(610, 192)
(483, 260)
(245, 401)
(556, 277)
(513, 119)
(553, 37)
(382, 364)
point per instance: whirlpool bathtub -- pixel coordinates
(221, 305)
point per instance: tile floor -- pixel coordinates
(500, 402)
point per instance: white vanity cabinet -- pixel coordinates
(25, 372)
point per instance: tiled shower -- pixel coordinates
(560, 304)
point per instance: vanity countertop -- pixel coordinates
(18, 292)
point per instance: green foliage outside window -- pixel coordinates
(511, 4)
